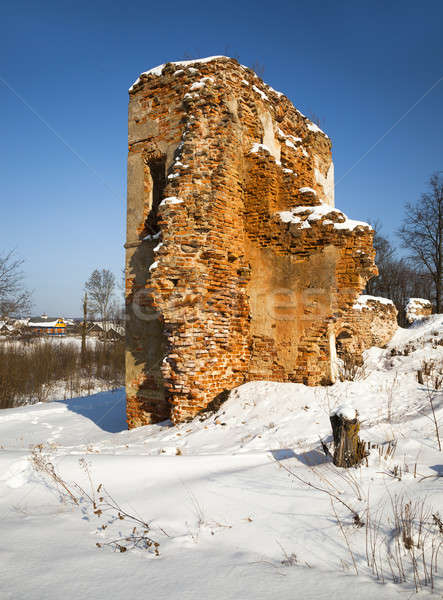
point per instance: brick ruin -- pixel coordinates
(238, 266)
(417, 309)
(372, 321)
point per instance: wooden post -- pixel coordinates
(349, 450)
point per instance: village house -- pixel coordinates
(5, 328)
(47, 325)
(110, 331)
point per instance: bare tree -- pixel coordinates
(100, 287)
(84, 327)
(398, 278)
(422, 234)
(122, 284)
(14, 298)
(384, 257)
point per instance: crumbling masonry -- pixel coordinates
(372, 321)
(238, 266)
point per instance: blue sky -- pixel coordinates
(359, 66)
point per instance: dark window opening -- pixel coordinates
(344, 335)
(342, 342)
(157, 170)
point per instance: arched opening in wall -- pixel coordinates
(155, 183)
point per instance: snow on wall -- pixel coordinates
(370, 302)
(417, 309)
(313, 127)
(322, 213)
(171, 200)
(327, 182)
(182, 63)
(269, 139)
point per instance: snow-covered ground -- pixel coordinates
(231, 521)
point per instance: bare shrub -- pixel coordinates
(431, 374)
(289, 560)
(42, 463)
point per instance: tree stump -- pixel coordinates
(349, 450)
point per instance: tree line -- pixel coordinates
(418, 273)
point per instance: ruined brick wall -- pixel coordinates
(417, 309)
(372, 321)
(238, 265)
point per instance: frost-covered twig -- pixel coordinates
(101, 502)
(357, 519)
(345, 536)
(43, 464)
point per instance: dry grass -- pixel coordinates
(29, 372)
(350, 367)
(431, 376)
(403, 545)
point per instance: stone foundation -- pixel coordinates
(238, 266)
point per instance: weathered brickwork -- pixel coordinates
(238, 265)
(372, 321)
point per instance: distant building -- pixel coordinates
(5, 329)
(20, 323)
(47, 325)
(106, 330)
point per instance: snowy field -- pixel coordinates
(227, 496)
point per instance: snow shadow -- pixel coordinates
(106, 409)
(283, 454)
(313, 458)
